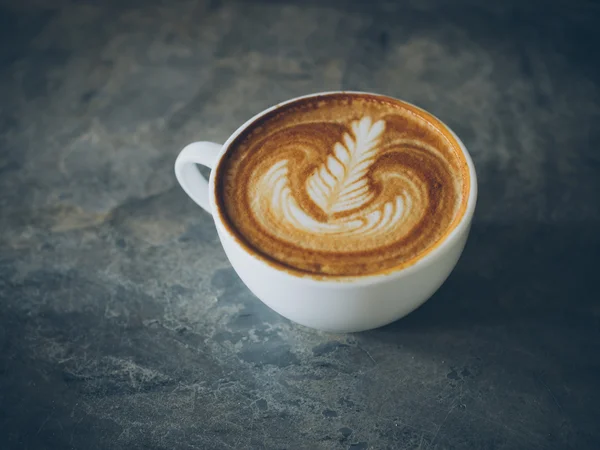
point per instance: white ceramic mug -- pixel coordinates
(332, 305)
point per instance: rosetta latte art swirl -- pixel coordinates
(337, 197)
(340, 185)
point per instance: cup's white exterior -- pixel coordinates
(332, 305)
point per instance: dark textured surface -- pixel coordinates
(122, 325)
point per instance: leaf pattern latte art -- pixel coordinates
(339, 185)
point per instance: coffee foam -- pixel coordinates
(342, 185)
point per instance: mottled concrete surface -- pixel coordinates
(122, 324)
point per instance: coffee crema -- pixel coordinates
(342, 185)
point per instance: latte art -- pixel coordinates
(340, 184)
(339, 187)
(342, 187)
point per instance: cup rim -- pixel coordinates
(358, 280)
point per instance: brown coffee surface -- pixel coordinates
(342, 185)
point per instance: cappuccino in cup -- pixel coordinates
(342, 185)
(342, 211)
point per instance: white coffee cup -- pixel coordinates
(339, 305)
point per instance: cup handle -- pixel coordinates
(188, 175)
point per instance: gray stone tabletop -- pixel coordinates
(122, 324)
